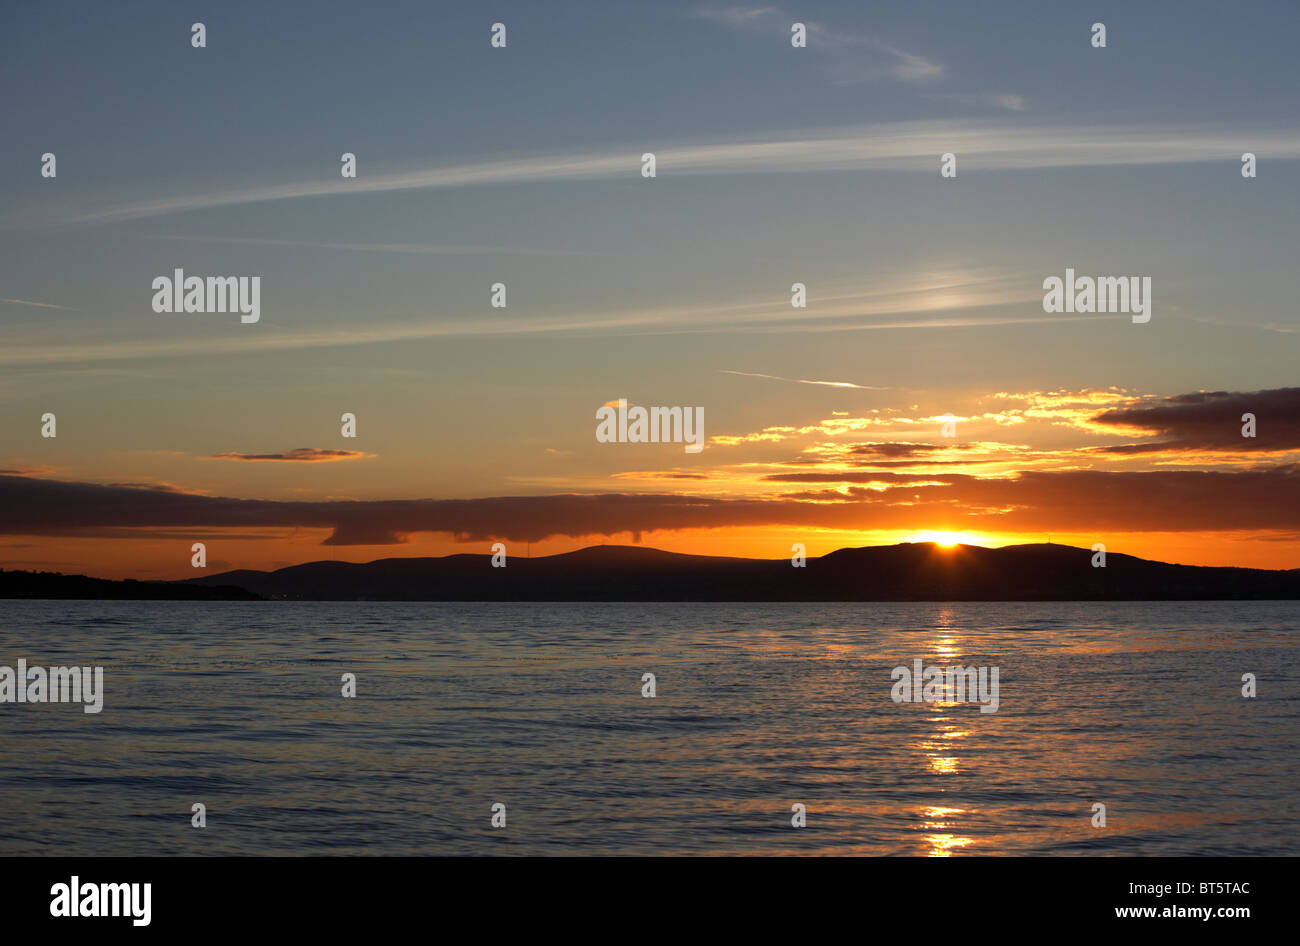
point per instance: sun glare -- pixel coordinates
(945, 539)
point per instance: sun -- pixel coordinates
(945, 539)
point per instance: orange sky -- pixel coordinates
(1169, 478)
(170, 559)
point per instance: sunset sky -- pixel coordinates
(522, 165)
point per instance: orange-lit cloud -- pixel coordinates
(299, 455)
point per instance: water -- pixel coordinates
(539, 706)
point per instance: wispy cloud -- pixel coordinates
(949, 299)
(829, 384)
(1005, 100)
(850, 57)
(417, 249)
(900, 146)
(41, 305)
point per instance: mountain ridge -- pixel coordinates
(920, 571)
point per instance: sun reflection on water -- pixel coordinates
(941, 840)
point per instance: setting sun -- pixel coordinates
(946, 539)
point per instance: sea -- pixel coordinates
(773, 729)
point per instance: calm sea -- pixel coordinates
(759, 707)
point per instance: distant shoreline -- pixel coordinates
(897, 573)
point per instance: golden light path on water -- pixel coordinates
(941, 824)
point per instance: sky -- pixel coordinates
(522, 165)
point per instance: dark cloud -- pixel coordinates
(164, 487)
(869, 456)
(1210, 421)
(299, 455)
(894, 450)
(1081, 501)
(663, 475)
(824, 476)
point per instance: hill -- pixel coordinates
(19, 584)
(906, 572)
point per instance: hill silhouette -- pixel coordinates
(905, 572)
(20, 584)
